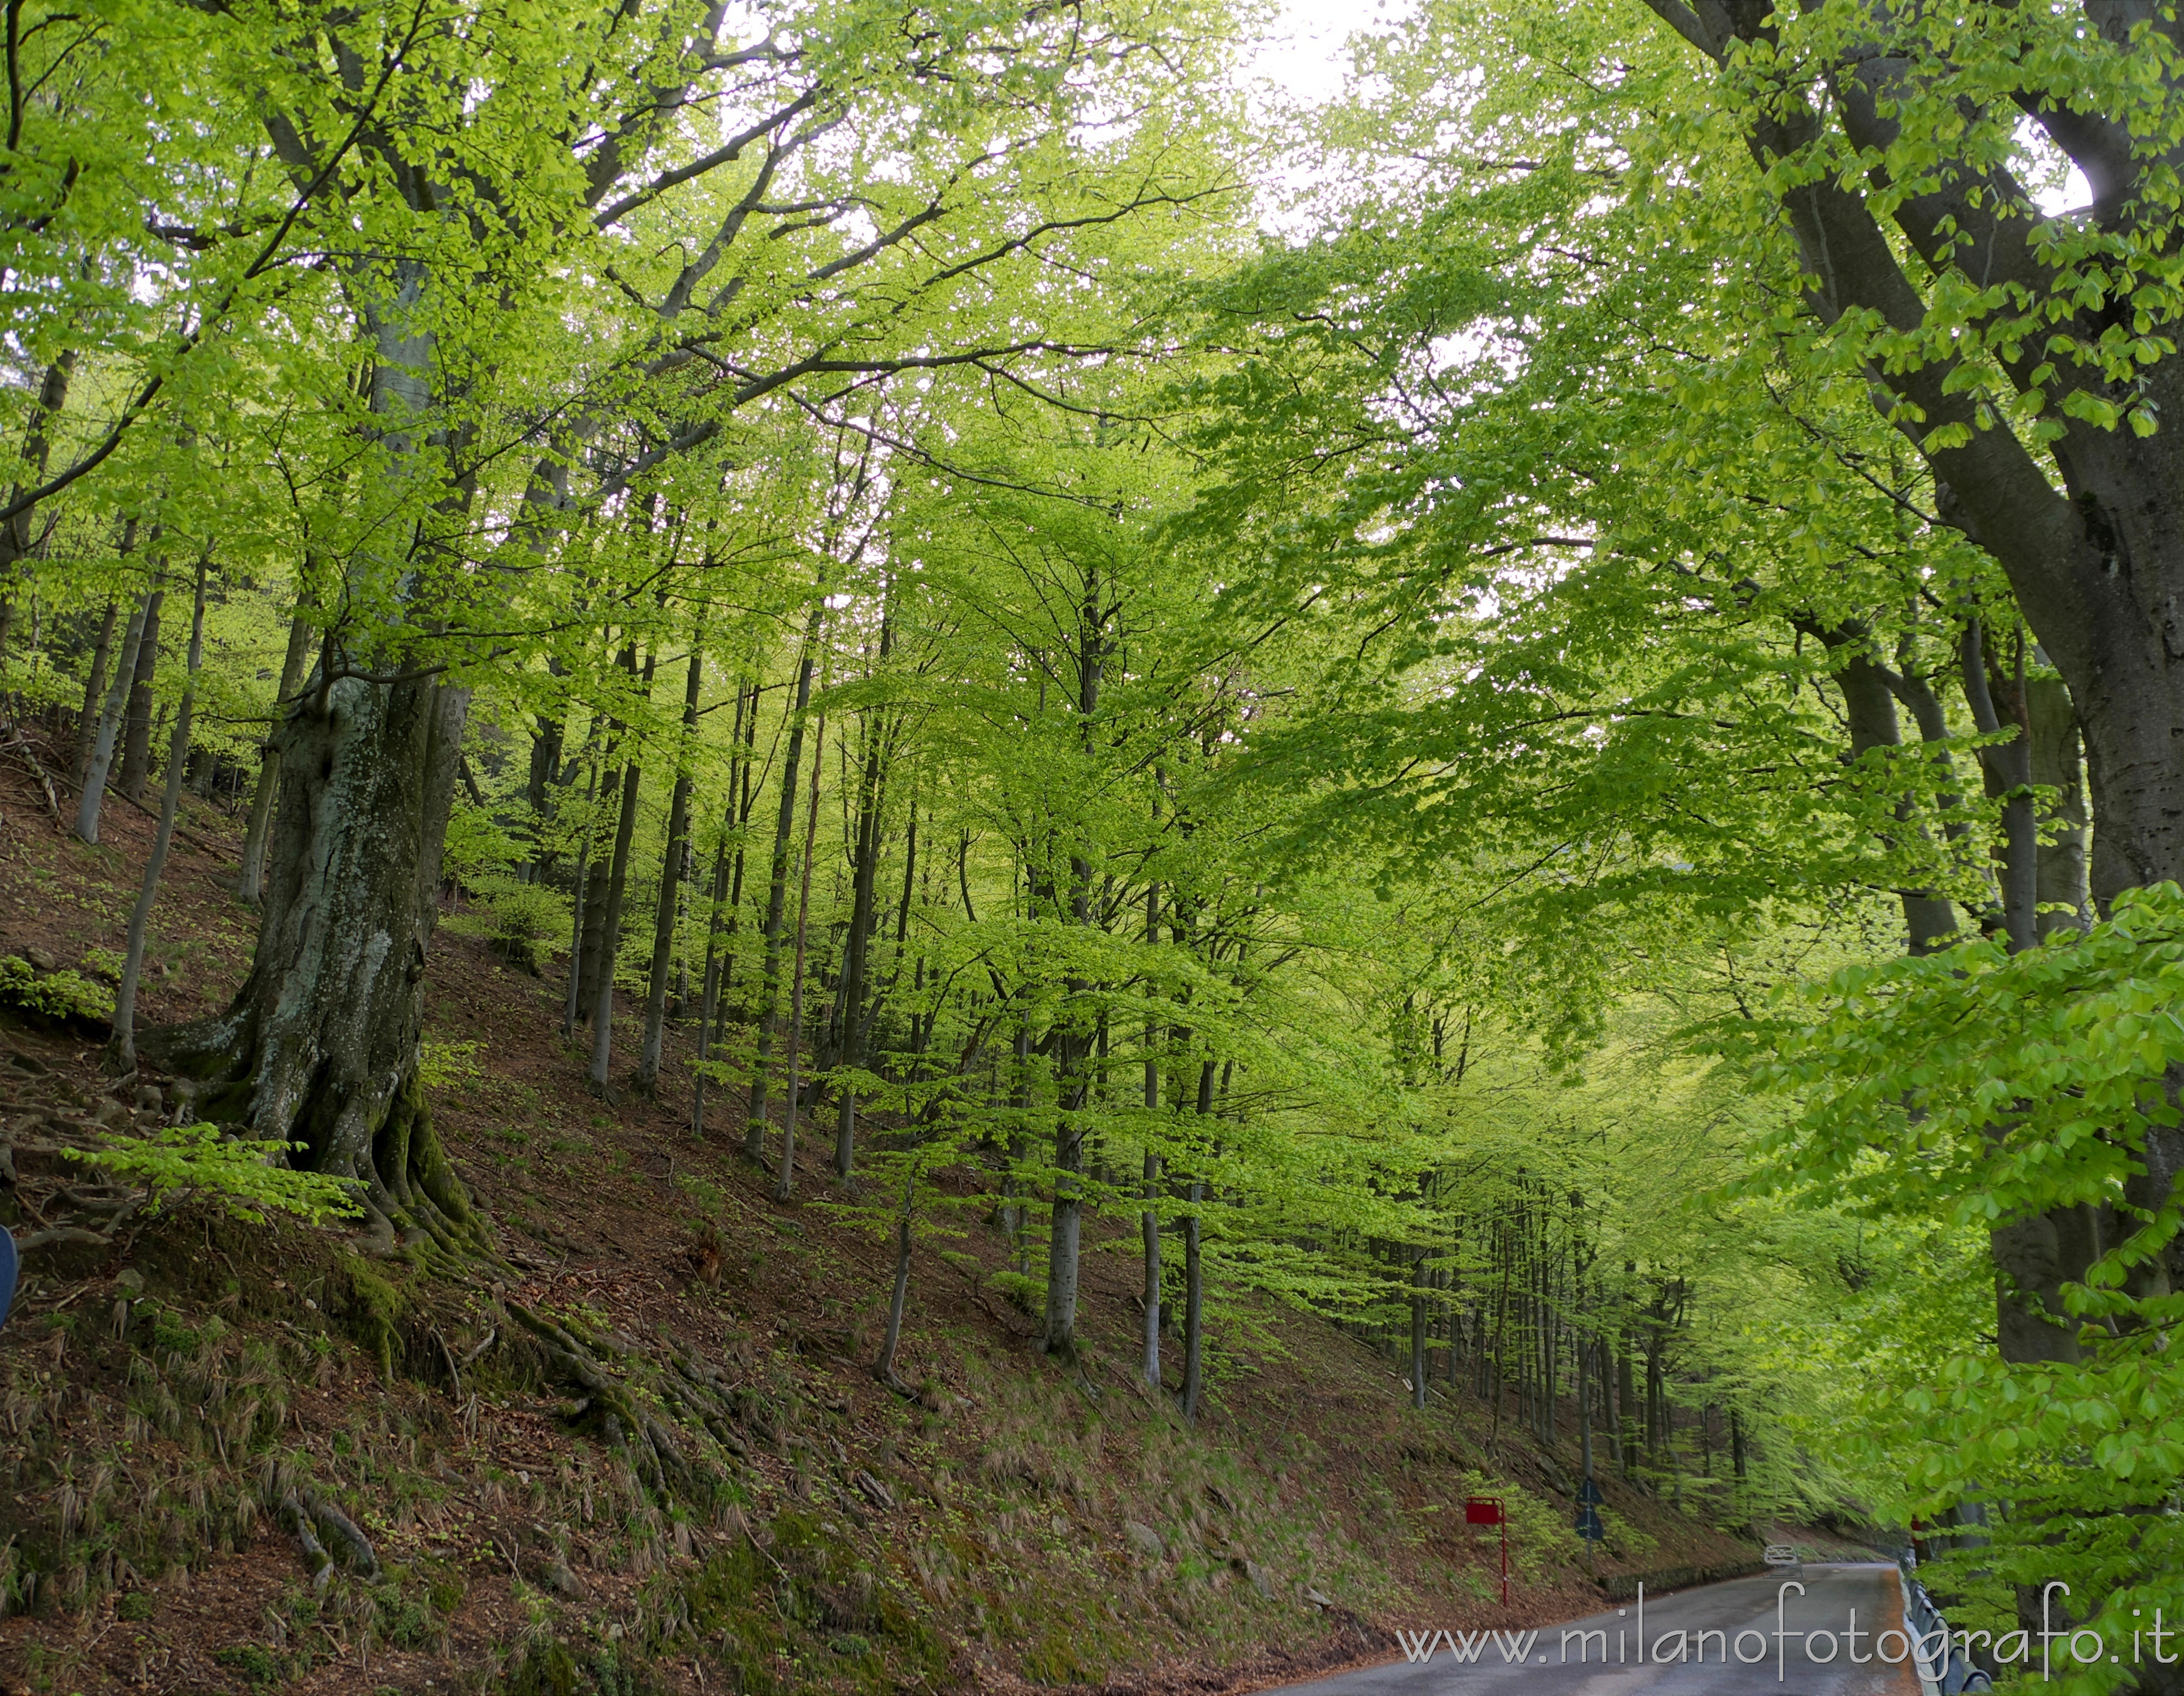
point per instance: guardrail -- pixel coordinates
(1950, 1674)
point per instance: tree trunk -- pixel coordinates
(1584, 1409)
(1870, 709)
(94, 686)
(2097, 565)
(16, 541)
(320, 1046)
(884, 1370)
(617, 883)
(573, 1009)
(136, 734)
(2058, 764)
(1626, 1393)
(671, 886)
(708, 993)
(1194, 1310)
(1418, 1330)
(776, 898)
(1058, 1336)
(856, 950)
(140, 917)
(109, 724)
(785, 1181)
(728, 887)
(592, 902)
(251, 884)
(2008, 769)
(1073, 1046)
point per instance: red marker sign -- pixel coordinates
(1489, 1511)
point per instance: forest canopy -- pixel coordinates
(1537, 708)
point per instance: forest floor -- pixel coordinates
(1010, 1525)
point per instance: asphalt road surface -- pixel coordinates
(1814, 1659)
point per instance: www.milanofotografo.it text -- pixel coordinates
(2052, 1648)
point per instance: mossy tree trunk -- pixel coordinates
(320, 1044)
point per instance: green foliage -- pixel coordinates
(523, 912)
(255, 1662)
(1977, 1092)
(62, 994)
(440, 1064)
(197, 1161)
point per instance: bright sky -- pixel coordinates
(1307, 60)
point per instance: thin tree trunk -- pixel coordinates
(109, 724)
(250, 885)
(610, 923)
(776, 898)
(140, 919)
(1149, 1219)
(1626, 1392)
(728, 887)
(15, 539)
(884, 1370)
(137, 733)
(1194, 1310)
(598, 877)
(1149, 1228)
(1418, 1331)
(94, 686)
(671, 887)
(856, 948)
(1585, 1407)
(1073, 1047)
(2058, 764)
(785, 1181)
(2008, 769)
(572, 1008)
(708, 993)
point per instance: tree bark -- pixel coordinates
(93, 791)
(776, 899)
(671, 886)
(1194, 1310)
(1870, 709)
(884, 1369)
(250, 885)
(617, 883)
(573, 1006)
(1418, 1329)
(1075, 1039)
(137, 735)
(16, 541)
(784, 1184)
(2008, 768)
(140, 917)
(728, 887)
(590, 954)
(320, 1044)
(2058, 764)
(94, 686)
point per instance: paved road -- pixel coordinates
(1561, 1662)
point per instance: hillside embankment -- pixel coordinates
(194, 1404)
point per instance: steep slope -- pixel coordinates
(647, 1448)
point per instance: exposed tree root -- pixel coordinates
(304, 1511)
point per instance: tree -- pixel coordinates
(512, 182)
